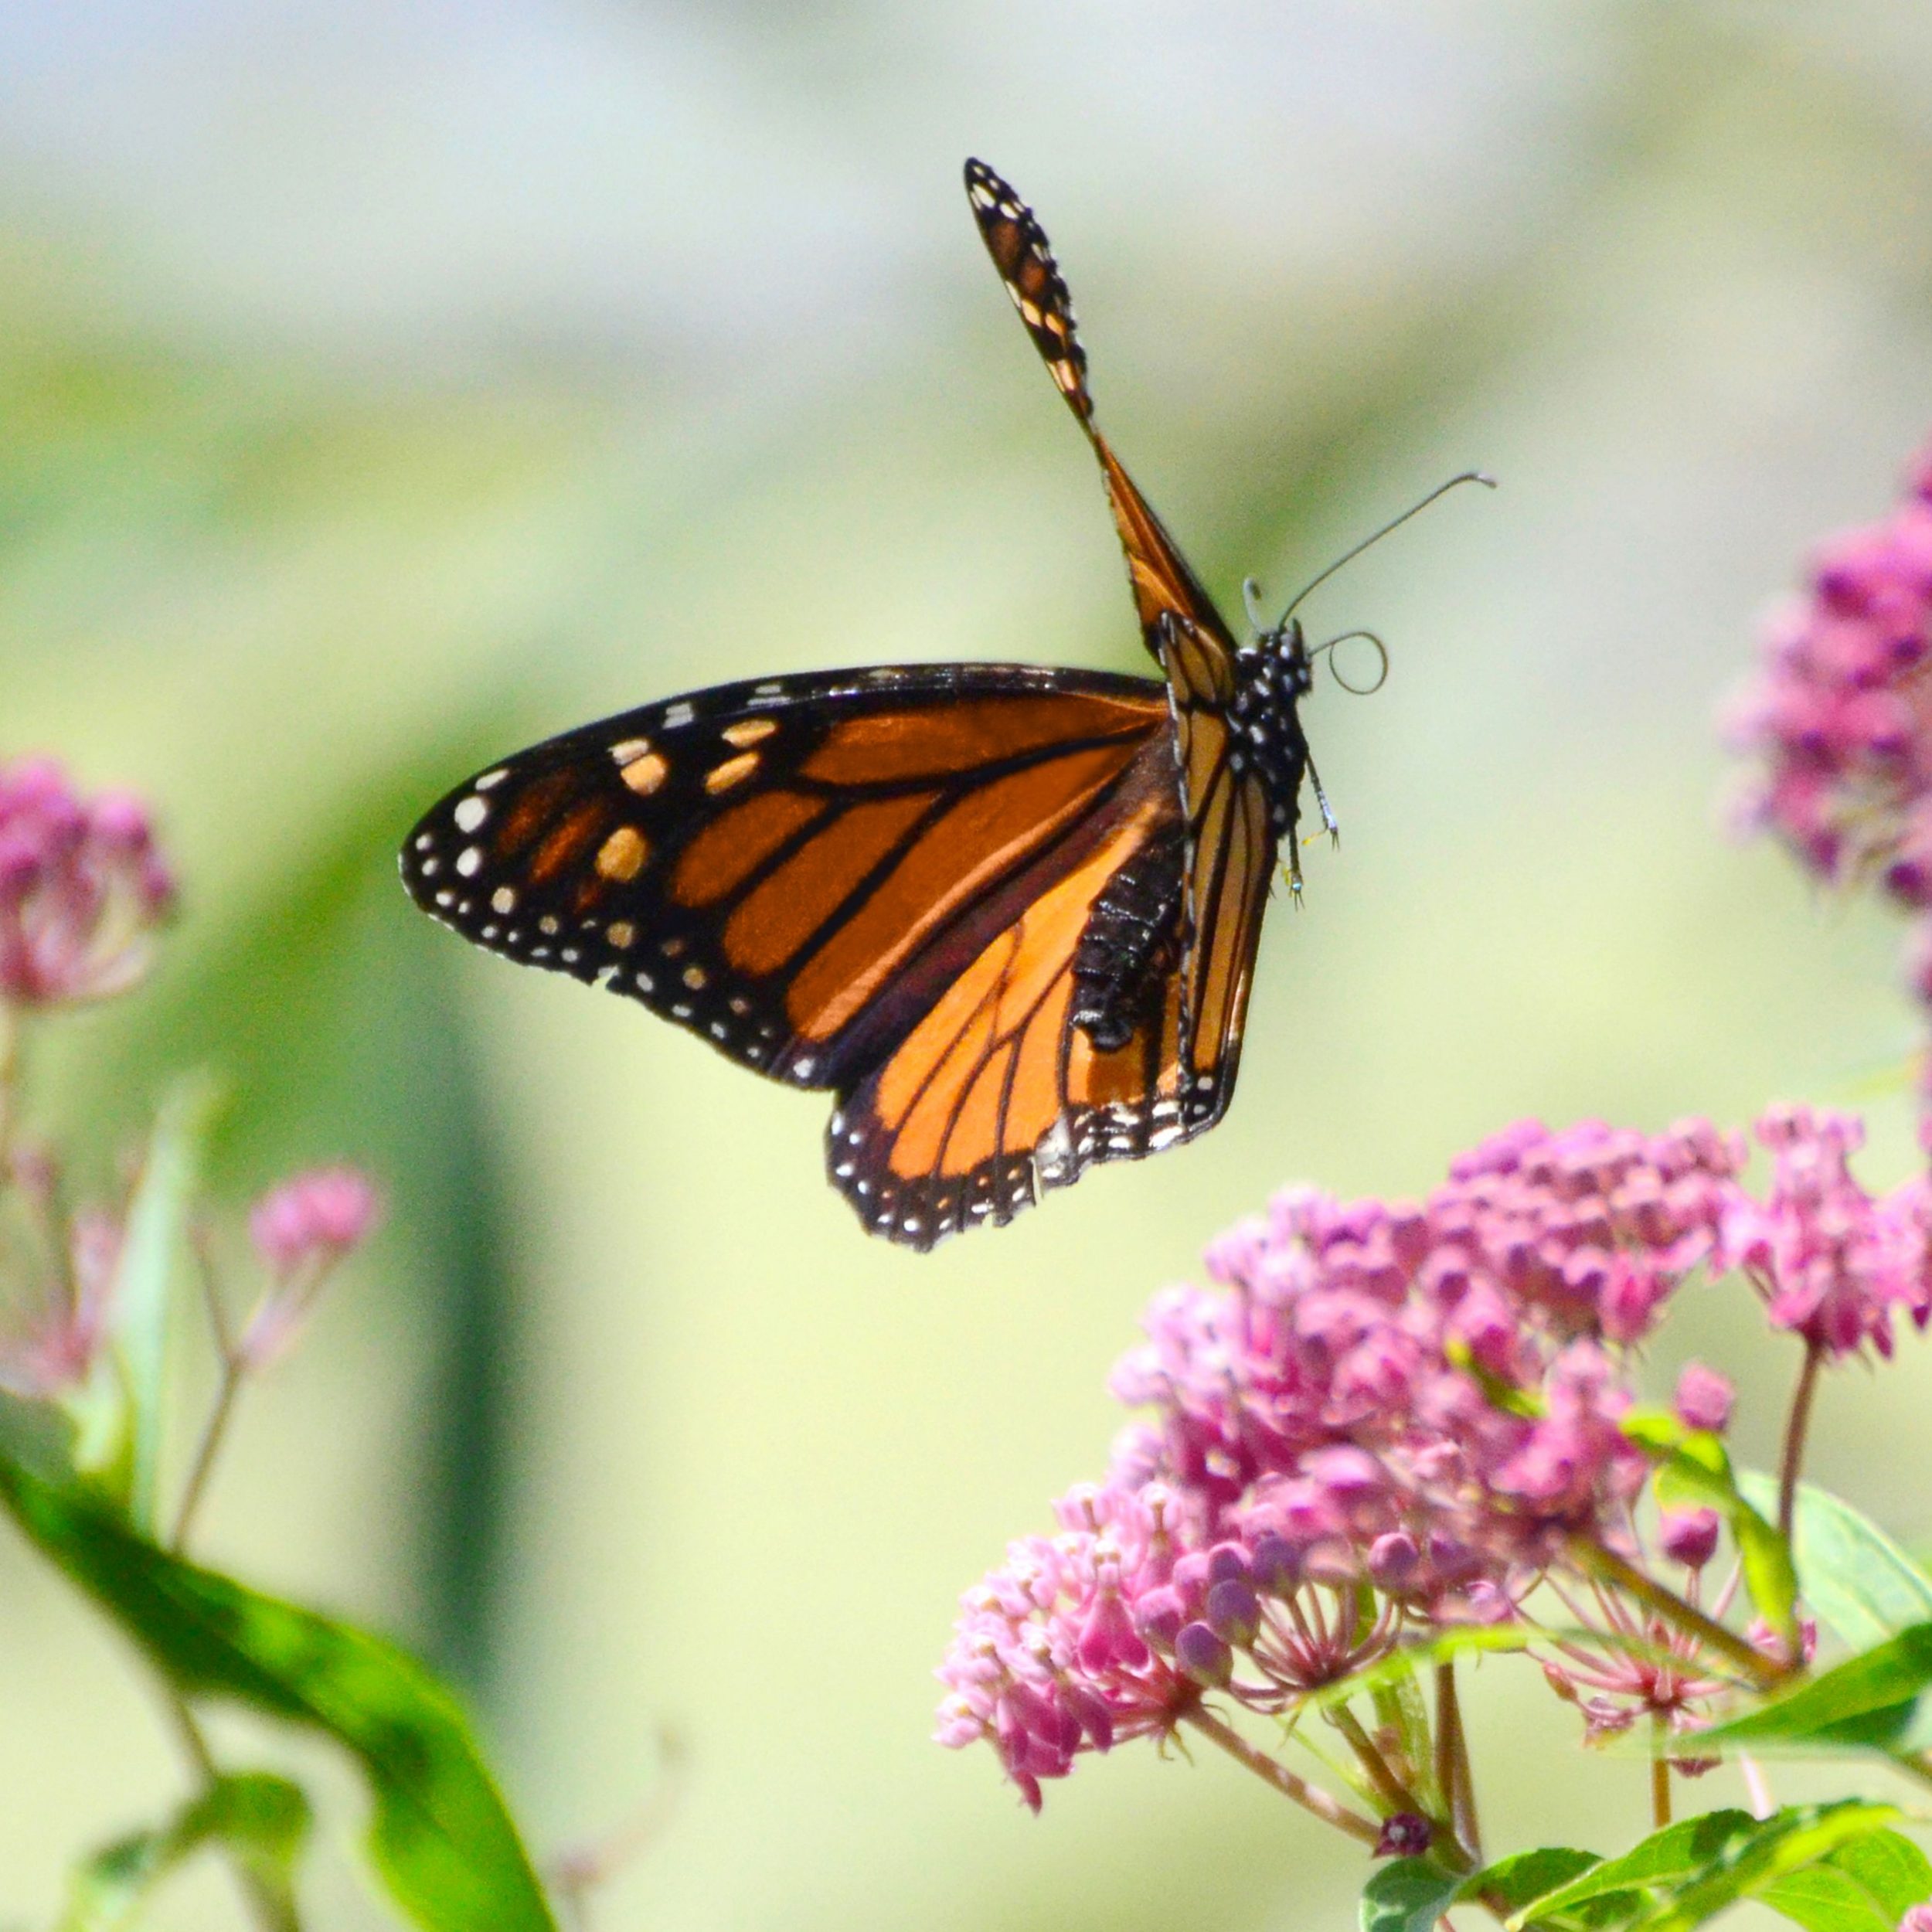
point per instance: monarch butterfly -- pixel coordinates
(1008, 915)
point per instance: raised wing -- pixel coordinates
(1230, 844)
(1161, 581)
(796, 869)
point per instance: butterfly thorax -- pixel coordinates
(1271, 676)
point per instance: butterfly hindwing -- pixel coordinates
(996, 1096)
(792, 868)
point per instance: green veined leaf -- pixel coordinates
(1871, 1703)
(1407, 1895)
(1690, 1871)
(262, 1820)
(1867, 1885)
(440, 1837)
(1857, 1578)
(1693, 1466)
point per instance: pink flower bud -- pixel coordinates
(1689, 1536)
(312, 1220)
(1703, 1399)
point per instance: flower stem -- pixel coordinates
(1452, 1762)
(269, 1913)
(1392, 1792)
(1607, 1566)
(1311, 1797)
(223, 1410)
(1795, 1426)
(1659, 1775)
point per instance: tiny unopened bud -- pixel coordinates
(1234, 1612)
(1689, 1536)
(1404, 1835)
(1703, 1399)
(1205, 1657)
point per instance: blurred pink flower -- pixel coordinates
(300, 1229)
(53, 1349)
(81, 887)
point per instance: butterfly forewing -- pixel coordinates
(788, 868)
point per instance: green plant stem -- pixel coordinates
(1311, 1797)
(1453, 1772)
(269, 1913)
(1796, 1424)
(1381, 1773)
(1607, 1566)
(223, 1410)
(1659, 1775)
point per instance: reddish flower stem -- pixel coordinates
(1659, 1775)
(1311, 1797)
(1795, 1426)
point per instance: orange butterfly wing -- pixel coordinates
(994, 1096)
(794, 869)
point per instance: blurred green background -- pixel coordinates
(382, 387)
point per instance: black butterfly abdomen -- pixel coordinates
(1129, 937)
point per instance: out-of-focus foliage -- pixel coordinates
(380, 390)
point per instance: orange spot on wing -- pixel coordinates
(531, 811)
(566, 842)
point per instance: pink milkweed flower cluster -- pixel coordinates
(81, 886)
(1840, 714)
(1832, 1262)
(1389, 1414)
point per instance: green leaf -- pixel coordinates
(1870, 1703)
(1407, 1895)
(143, 1278)
(440, 1836)
(1690, 1871)
(1867, 1885)
(262, 1820)
(1522, 1879)
(1857, 1578)
(1693, 1466)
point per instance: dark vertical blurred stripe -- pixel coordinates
(464, 1225)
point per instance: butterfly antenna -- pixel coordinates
(1375, 536)
(1381, 662)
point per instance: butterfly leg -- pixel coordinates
(1330, 824)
